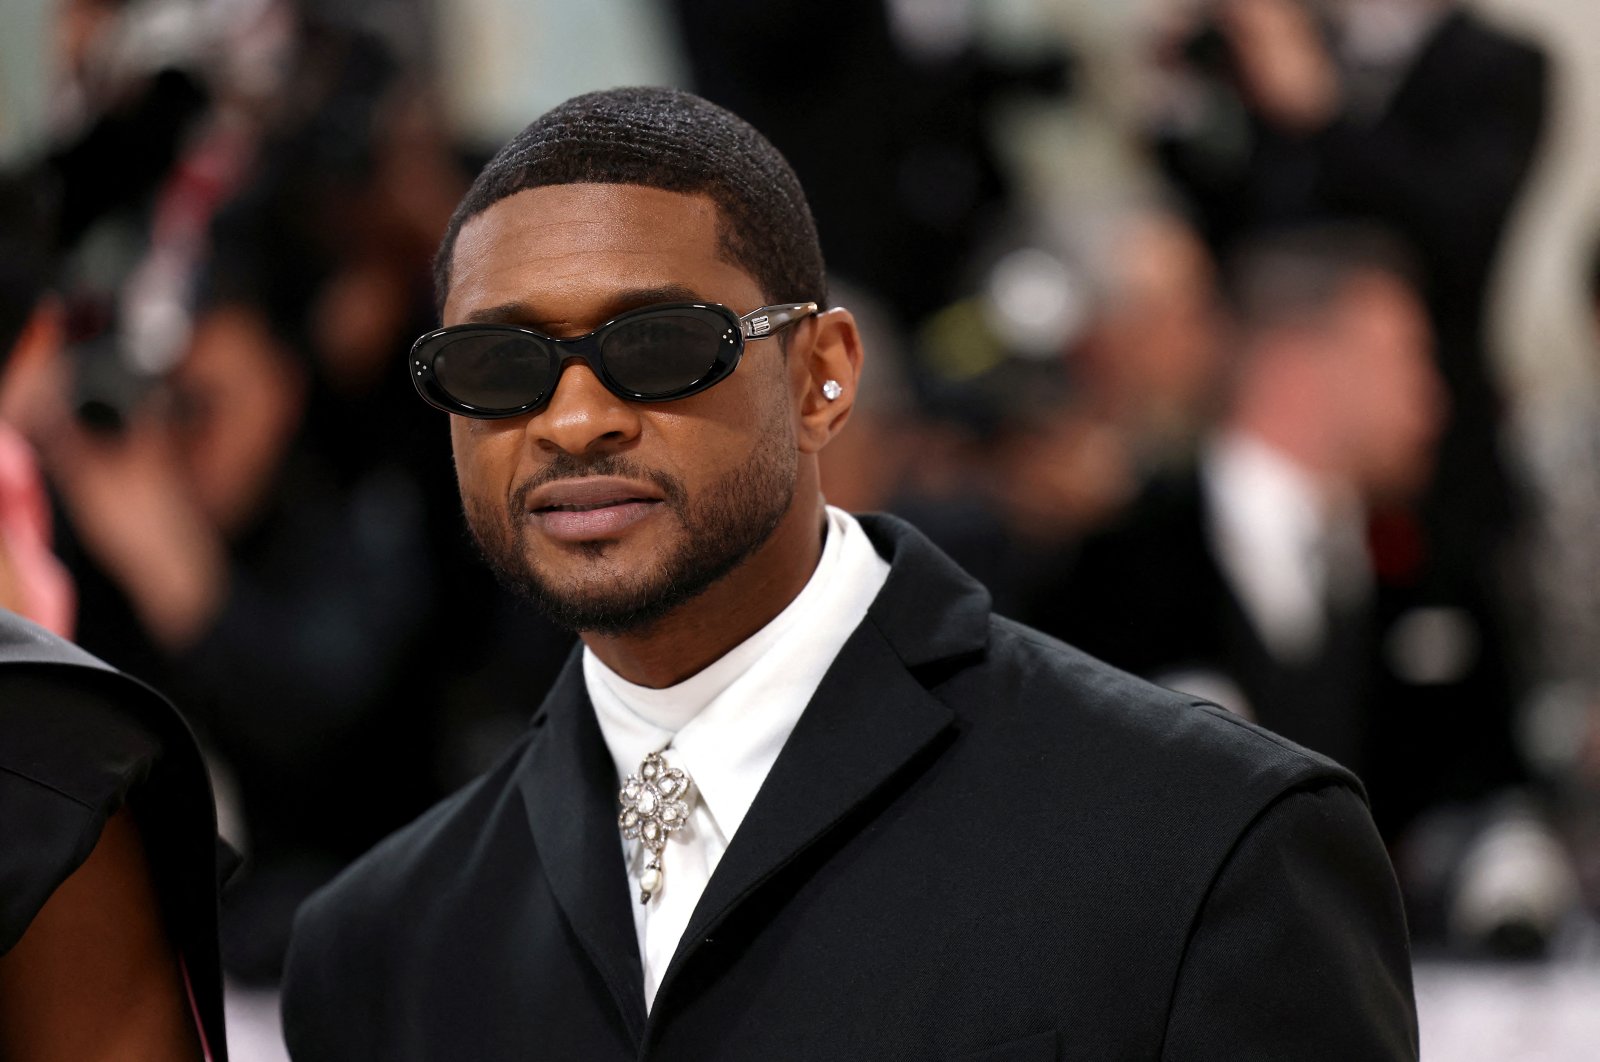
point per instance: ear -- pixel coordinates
(832, 355)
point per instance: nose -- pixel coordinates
(583, 417)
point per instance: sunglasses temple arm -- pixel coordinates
(769, 319)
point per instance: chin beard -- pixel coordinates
(732, 519)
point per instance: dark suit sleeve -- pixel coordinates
(1299, 950)
(321, 1020)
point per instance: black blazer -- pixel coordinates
(977, 843)
(78, 740)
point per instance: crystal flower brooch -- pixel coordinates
(655, 804)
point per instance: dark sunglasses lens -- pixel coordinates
(658, 354)
(493, 371)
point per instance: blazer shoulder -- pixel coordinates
(1145, 730)
(419, 859)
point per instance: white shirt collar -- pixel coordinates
(1278, 540)
(728, 722)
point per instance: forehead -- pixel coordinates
(1379, 295)
(568, 252)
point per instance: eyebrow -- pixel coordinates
(618, 302)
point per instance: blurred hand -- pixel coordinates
(136, 515)
(1288, 76)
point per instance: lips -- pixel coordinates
(580, 510)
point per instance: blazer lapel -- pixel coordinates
(569, 789)
(868, 721)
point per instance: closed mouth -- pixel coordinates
(584, 507)
(591, 509)
(589, 494)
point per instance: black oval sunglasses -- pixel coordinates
(654, 354)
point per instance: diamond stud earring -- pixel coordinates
(831, 390)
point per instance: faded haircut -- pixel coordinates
(1293, 276)
(677, 142)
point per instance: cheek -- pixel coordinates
(724, 425)
(485, 456)
(780, 395)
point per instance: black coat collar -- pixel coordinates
(868, 721)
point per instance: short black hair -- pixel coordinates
(27, 253)
(1288, 275)
(675, 141)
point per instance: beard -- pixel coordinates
(728, 522)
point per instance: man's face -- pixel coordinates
(1390, 396)
(609, 513)
(238, 400)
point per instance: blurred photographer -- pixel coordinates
(108, 877)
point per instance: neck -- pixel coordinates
(1294, 440)
(701, 631)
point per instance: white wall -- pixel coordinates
(24, 76)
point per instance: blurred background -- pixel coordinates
(1253, 345)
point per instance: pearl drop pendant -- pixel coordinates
(649, 881)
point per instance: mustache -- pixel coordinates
(570, 466)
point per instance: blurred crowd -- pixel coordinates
(1226, 415)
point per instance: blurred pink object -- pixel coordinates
(47, 596)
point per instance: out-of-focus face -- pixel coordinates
(1158, 349)
(1389, 400)
(238, 402)
(609, 513)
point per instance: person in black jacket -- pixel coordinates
(108, 864)
(799, 794)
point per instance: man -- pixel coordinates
(1423, 116)
(913, 830)
(1291, 617)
